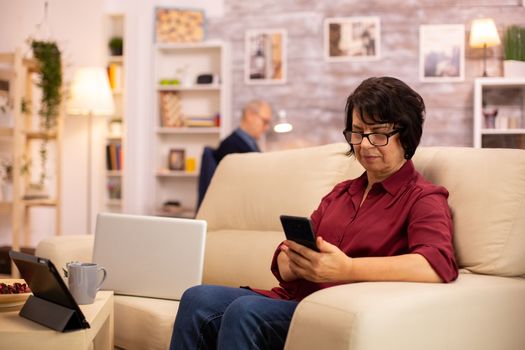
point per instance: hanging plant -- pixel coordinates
(49, 61)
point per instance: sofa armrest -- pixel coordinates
(63, 249)
(474, 312)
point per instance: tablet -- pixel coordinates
(49, 289)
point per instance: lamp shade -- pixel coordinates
(483, 32)
(90, 93)
(282, 125)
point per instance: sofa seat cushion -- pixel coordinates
(144, 323)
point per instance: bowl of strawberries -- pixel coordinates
(13, 292)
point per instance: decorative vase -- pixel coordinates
(514, 69)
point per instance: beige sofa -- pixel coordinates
(483, 309)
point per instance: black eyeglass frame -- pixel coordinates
(363, 135)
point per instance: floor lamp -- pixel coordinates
(90, 95)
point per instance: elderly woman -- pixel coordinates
(390, 224)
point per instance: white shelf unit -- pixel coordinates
(114, 139)
(507, 95)
(185, 62)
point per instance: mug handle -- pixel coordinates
(103, 277)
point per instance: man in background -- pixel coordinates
(255, 121)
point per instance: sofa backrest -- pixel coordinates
(249, 191)
(487, 198)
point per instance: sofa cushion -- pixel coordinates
(63, 249)
(240, 258)
(487, 198)
(144, 323)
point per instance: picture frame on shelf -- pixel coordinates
(352, 39)
(265, 56)
(176, 159)
(176, 25)
(442, 53)
(114, 188)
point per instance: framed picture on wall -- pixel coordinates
(174, 25)
(176, 159)
(265, 56)
(442, 53)
(352, 39)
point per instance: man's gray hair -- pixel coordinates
(254, 106)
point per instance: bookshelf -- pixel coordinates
(499, 113)
(188, 116)
(21, 140)
(115, 130)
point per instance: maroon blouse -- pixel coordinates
(403, 214)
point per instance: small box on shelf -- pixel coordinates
(173, 208)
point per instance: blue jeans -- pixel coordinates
(217, 317)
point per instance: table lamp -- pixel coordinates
(483, 33)
(282, 125)
(90, 95)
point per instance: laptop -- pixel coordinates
(149, 256)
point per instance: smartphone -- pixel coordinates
(299, 229)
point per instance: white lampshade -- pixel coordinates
(282, 124)
(483, 32)
(90, 93)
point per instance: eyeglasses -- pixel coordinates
(266, 122)
(375, 138)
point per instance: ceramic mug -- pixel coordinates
(84, 281)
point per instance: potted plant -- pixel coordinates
(514, 55)
(116, 46)
(48, 56)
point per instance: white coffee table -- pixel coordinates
(17, 332)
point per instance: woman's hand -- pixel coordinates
(328, 265)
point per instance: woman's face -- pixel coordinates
(379, 161)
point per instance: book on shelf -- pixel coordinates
(114, 156)
(115, 76)
(201, 121)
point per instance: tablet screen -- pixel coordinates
(44, 280)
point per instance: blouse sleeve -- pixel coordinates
(430, 233)
(316, 219)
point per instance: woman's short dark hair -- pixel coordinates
(389, 100)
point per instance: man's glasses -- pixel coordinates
(375, 138)
(266, 122)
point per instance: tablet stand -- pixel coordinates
(51, 315)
